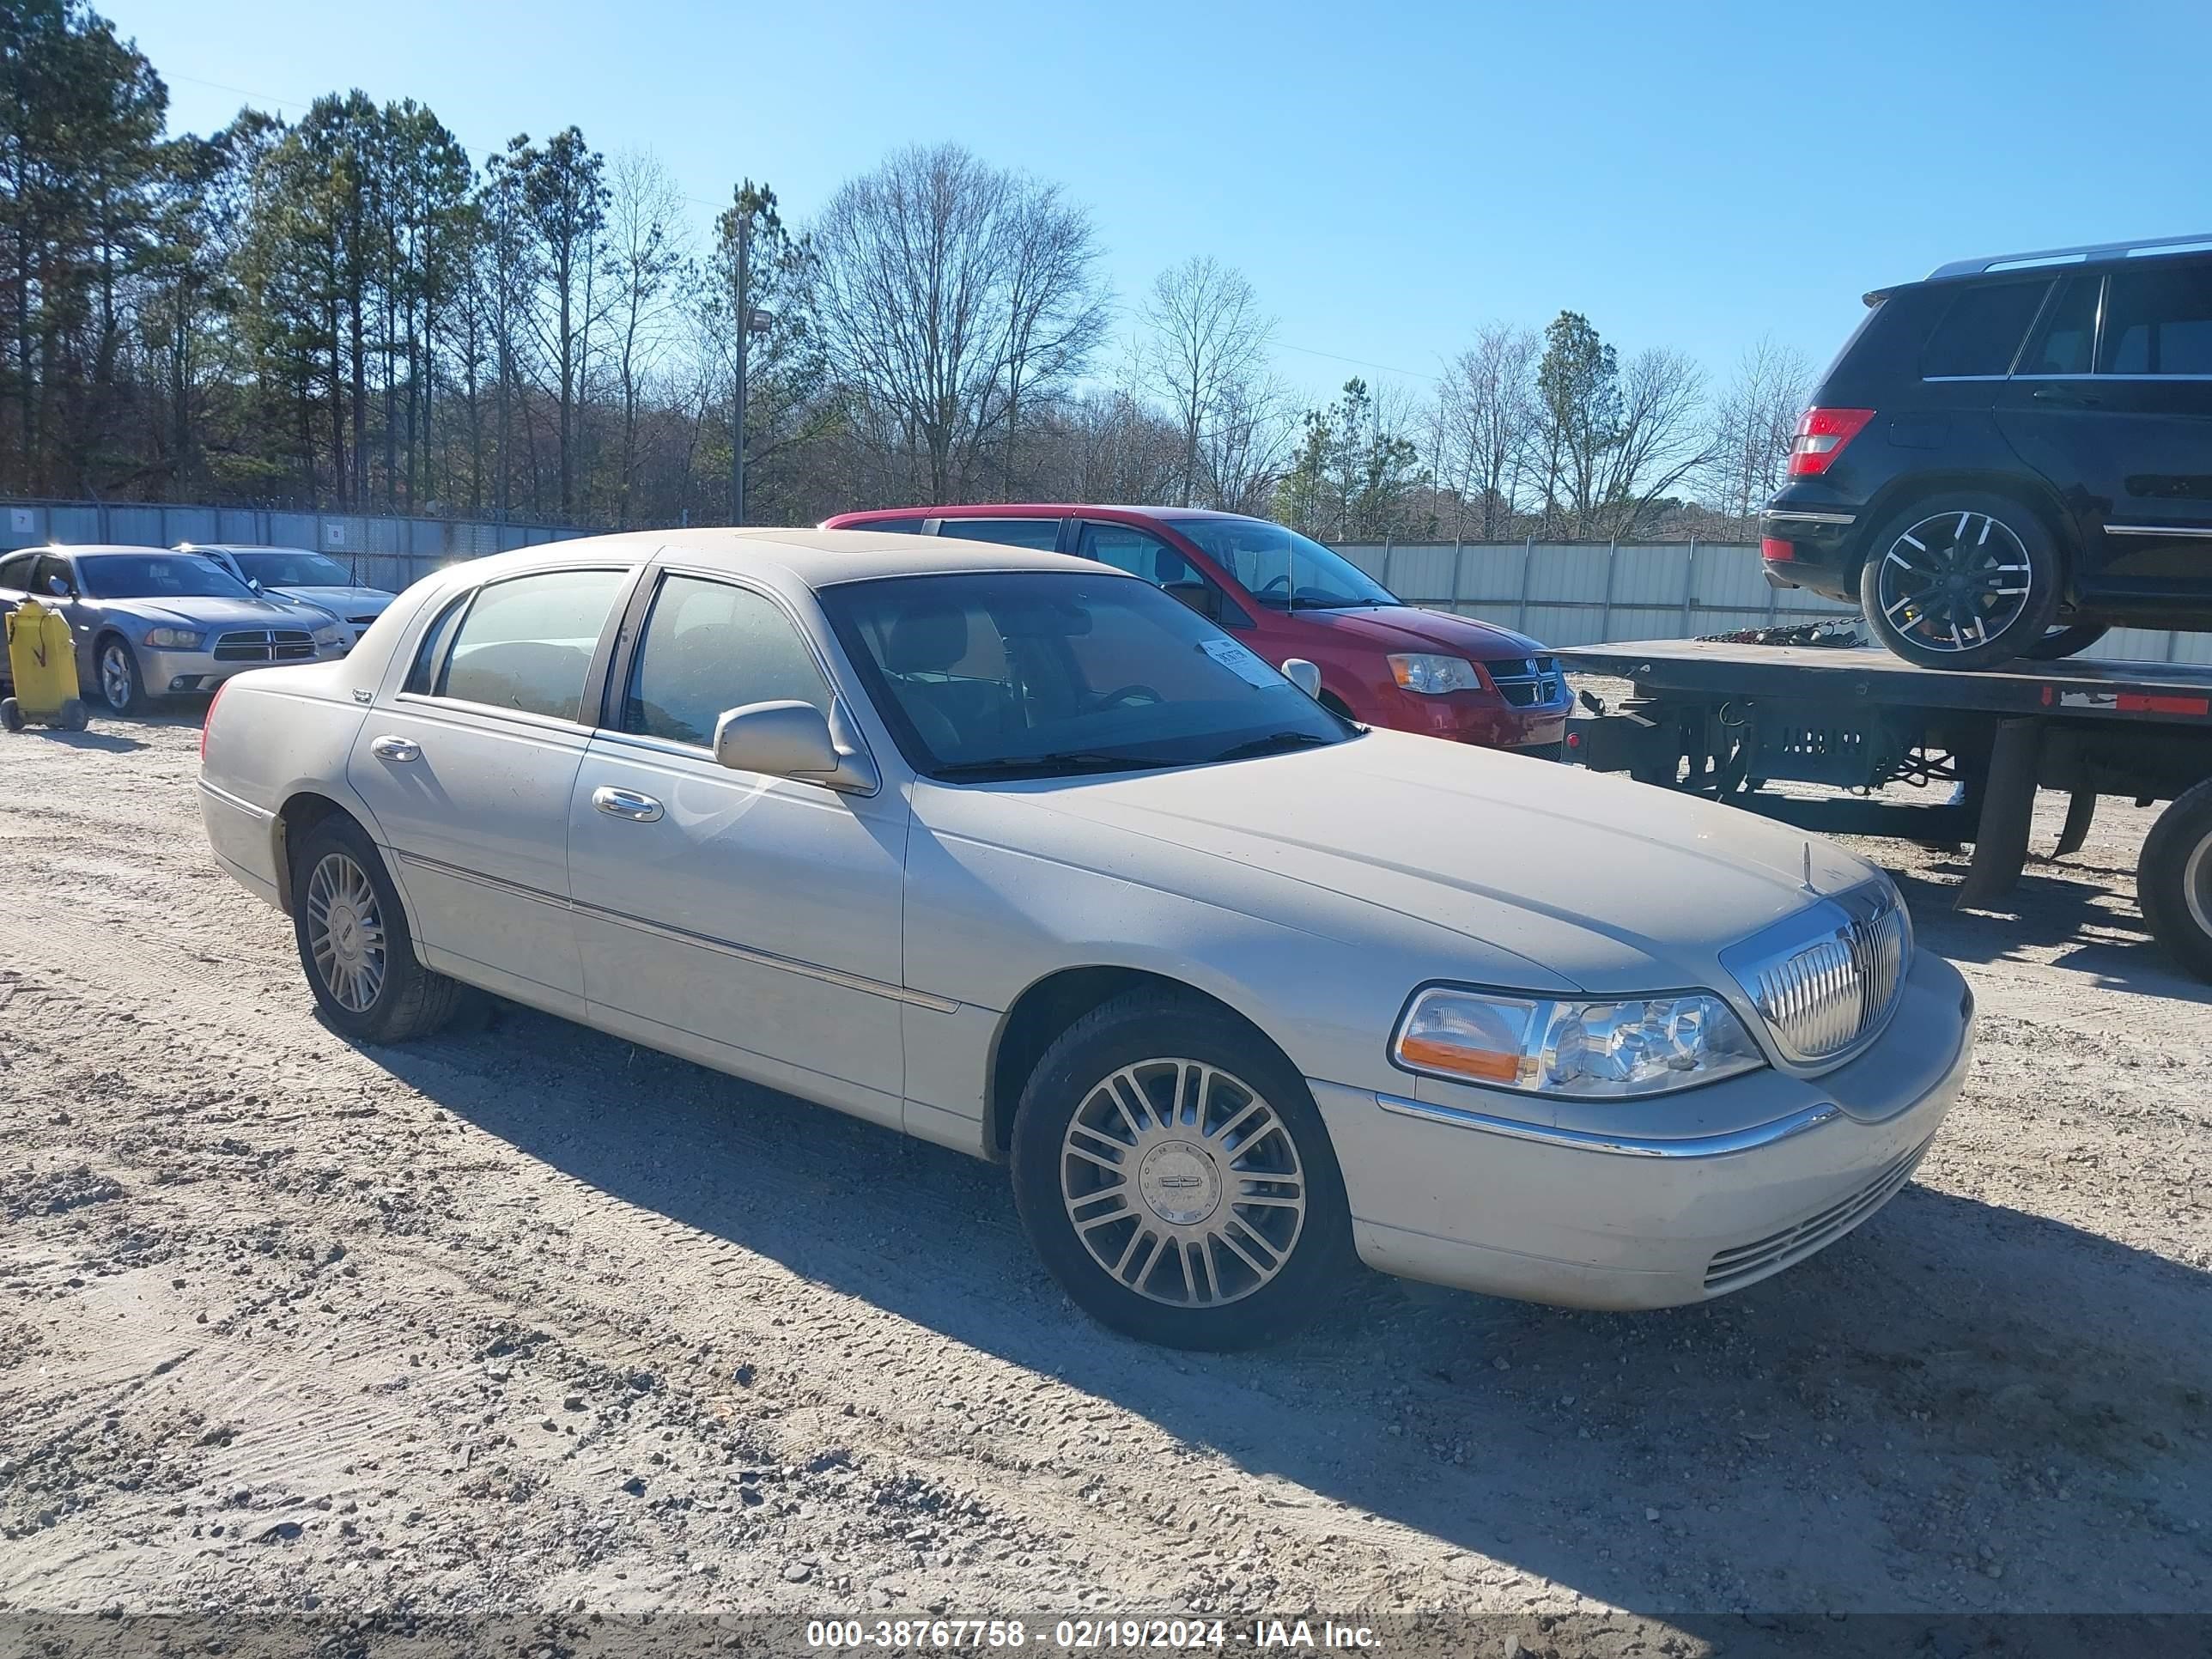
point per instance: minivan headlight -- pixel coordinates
(173, 639)
(1433, 676)
(1614, 1049)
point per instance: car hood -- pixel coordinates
(1410, 628)
(1589, 879)
(210, 612)
(340, 601)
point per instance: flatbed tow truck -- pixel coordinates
(1725, 719)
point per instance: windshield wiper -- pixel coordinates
(1060, 763)
(1274, 743)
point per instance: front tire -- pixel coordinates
(1963, 580)
(1170, 1169)
(2173, 879)
(121, 689)
(355, 945)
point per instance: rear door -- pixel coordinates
(2112, 403)
(467, 767)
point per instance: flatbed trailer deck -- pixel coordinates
(1725, 720)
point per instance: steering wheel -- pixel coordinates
(1131, 693)
(1282, 581)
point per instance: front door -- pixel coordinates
(467, 767)
(751, 921)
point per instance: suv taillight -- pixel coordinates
(1821, 435)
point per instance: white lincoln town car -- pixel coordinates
(1015, 853)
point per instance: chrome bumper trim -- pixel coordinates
(1584, 1140)
(1796, 517)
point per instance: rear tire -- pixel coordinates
(11, 714)
(355, 945)
(1172, 1171)
(2173, 879)
(75, 718)
(1961, 580)
(2063, 642)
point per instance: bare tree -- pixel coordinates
(645, 252)
(946, 292)
(1752, 427)
(1205, 346)
(1485, 419)
(1661, 439)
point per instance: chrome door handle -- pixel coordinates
(626, 804)
(396, 749)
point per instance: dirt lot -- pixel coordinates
(523, 1319)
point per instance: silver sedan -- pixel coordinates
(1014, 853)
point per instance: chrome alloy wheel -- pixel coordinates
(1183, 1183)
(1955, 582)
(345, 933)
(115, 675)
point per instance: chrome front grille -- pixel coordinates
(1825, 980)
(265, 645)
(1527, 682)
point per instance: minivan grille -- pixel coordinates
(1831, 977)
(1740, 1264)
(265, 645)
(1526, 682)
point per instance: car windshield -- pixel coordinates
(292, 567)
(1282, 569)
(156, 576)
(1009, 674)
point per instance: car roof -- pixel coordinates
(1031, 510)
(71, 549)
(814, 558)
(246, 547)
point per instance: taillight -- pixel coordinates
(1773, 547)
(1821, 435)
(214, 703)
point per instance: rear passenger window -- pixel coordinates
(526, 642)
(1042, 534)
(2062, 344)
(1981, 331)
(2158, 320)
(709, 647)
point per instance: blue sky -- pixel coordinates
(1389, 177)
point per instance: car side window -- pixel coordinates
(708, 647)
(1981, 332)
(2158, 320)
(2062, 344)
(1042, 534)
(15, 572)
(1143, 554)
(46, 571)
(526, 643)
(430, 655)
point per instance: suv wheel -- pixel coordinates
(2174, 881)
(1171, 1170)
(1961, 581)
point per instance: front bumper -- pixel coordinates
(1466, 1193)
(1482, 719)
(178, 673)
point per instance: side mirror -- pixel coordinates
(1304, 675)
(254, 582)
(58, 587)
(793, 740)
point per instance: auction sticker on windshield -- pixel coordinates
(1239, 662)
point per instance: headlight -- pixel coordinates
(1633, 1045)
(1434, 675)
(173, 639)
(333, 634)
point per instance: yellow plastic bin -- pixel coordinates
(42, 662)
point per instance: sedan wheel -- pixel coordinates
(1174, 1175)
(1182, 1183)
(120, 686)
(346, 932)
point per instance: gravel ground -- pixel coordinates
(523, 1320)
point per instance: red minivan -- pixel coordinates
(1381, 661)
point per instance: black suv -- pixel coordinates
(2013, 456)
